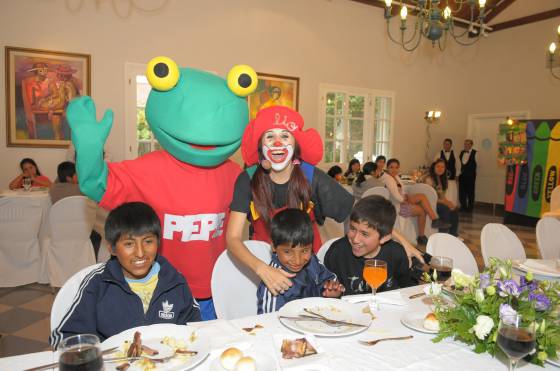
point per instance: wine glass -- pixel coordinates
(443, 266)
(375, 274)
(27, 183)
(80, 352)
(516, 338)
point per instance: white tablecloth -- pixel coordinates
(342, 353)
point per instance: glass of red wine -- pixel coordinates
(516, 338)
(80, 353)
(443, 266)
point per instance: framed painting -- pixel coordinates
(274, 90)
(39, 85)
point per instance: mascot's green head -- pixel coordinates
(196, 116)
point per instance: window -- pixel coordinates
(145, 138)
(357, 123)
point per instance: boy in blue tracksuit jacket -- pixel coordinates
(292, 246)
(136, 287)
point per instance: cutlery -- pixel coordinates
(52, 365)
(373, 342)
(417, 295)
(332, 321)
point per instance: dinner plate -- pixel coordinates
(540, 266)
(335, 309)
(555, 362)
(263, 362)
(153, 335)
(415, 321)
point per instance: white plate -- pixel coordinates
(555, 362)
(264, 362)
(415, 321)
(152, 336)
(299, 363)
(335, 309)
(543, 267)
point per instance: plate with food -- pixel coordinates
(324, 317)
(421, 321)
(296, 350)
(166, 347)
(235, 359)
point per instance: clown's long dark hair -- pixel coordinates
(298, 194)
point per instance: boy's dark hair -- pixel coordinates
(291, 226)
(378, 212)
(448, 140)
(134, 218)
(65, 170)
(393, 160)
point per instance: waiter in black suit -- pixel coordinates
(447, 155)
(467, 177)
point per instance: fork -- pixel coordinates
(373, 342)
(332, 321)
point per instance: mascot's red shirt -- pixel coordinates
(192, 204)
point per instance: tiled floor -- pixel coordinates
(25, 311)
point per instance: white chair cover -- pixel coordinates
(409, 226)
(69, 292)
(380, 191)
(20, 220)
(548, 238)
(69, 248)
(234, 286)
(331, 229)
(497, 240)
(324, 248)
(555, 199)
(444, 244)
(452, 193)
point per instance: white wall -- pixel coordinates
(320, 41)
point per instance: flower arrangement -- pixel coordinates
(478, 302)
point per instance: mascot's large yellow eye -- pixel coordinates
(242, 80)
(162, 73)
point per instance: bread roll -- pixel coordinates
(431, 323)
(246, 364)
(230, 357)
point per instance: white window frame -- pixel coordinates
(369, 117)
(131, 70)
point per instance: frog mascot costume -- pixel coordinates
(198, 118)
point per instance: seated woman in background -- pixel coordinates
(411, 205)
(380, 162)
(353, 169)
(30, 170)
(447, 210)
(366, 179)
(335, 172)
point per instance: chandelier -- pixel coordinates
(436, 24)
(551, 51)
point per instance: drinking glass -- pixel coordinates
(375, 274)
(516, 338)
(443, 266)
(27, 183)
(80, 353)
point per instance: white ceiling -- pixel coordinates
(524, 8)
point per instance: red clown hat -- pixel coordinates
(281, 117)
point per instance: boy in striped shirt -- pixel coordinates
(292, 247)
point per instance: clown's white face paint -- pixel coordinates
(278, 148)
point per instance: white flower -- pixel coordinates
(479, 296)
(461, 279)
(433, 289)
(484, 325)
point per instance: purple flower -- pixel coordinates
(527, 285)
(509, 287)
(540, 301)
(484, 280)
(507, 310)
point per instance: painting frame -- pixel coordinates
(39, 85)
(269, 85)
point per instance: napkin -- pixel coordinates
(541, 266)
(388, 297)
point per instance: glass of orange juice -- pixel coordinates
(375, 274)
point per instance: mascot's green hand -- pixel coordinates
(89, 136)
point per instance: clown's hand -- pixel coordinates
(88, 137)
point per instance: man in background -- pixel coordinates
(468, 177)
(66, 184)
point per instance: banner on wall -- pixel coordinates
(529, 184)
